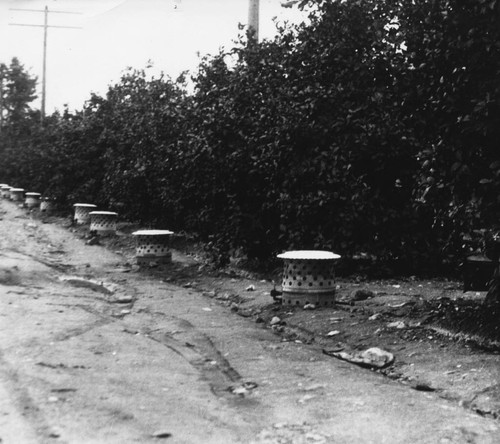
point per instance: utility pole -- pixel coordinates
(45, 27)
(253, 19)
(44, 68)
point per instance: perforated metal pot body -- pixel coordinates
(82, 212)
(46, 205)
(104, 222)
(32, 200)
(5, 190)
(17, 194)
(308, 277)
(153, 246)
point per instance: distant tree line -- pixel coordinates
(17, 90)
(373, 128)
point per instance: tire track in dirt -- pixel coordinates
(191, 344)
(102, 320)
(53, 264)
(78, 331)
(196, 348)
(201, 353)
(25, 404)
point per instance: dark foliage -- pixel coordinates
(371, 129)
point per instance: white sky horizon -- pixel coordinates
(117, 34)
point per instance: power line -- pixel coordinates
(45, 27)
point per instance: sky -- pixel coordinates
(110, 35)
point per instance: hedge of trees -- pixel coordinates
(373, 128)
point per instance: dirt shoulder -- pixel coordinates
(401, 317)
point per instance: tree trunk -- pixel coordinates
(493, 296)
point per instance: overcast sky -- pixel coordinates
(116, 34)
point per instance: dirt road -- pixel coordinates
(92, 351)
